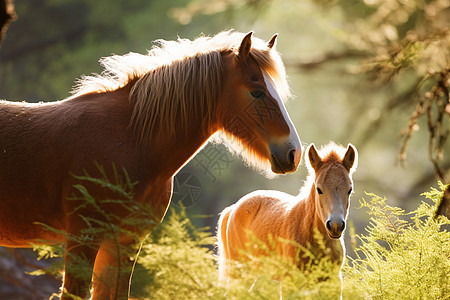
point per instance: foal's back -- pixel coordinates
(262, 215)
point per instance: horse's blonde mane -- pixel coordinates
(330, 153)
(177, 78)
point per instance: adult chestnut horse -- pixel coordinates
(148, 115)
(321, 206)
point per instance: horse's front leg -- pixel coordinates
(78, 264)
(112, 270)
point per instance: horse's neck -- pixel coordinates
(171, 154)
(168, 153)
(152, 165)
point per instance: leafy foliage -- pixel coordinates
(100, 224)
(177, 262)
(400, 257)
(397, 256)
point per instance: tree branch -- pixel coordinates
(317, 61)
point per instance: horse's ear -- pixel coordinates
(350, 157)
(314, 158)
(273, 41)
(246, 45)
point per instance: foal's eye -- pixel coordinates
(257, 94)
(319, 191)
(350, 191)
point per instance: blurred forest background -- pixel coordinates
(374, 73)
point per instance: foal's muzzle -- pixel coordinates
(284, 158)
(335, 228)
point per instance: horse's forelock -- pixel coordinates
(332, 152)
(270, 62)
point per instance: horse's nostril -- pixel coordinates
(342, 226)
(328, 224)
(291, 156)
(335, 226)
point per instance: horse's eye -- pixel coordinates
(257, 94)
(350, 191)
(319, 191)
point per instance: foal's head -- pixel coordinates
(252, 110)
(333, 184)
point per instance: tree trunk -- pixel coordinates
(7, 14)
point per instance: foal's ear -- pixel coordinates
(273, 41)
(314, 158)
(246, 45)
(350, 157)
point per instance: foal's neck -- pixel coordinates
(312, 214)
(310, 211)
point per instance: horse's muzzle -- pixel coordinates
(285, 158)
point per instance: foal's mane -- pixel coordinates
(177, 78)
(330, 153)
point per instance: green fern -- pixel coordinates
(399, 258)
(402, 255)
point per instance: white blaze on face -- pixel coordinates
(293, 136)
(337, 211)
